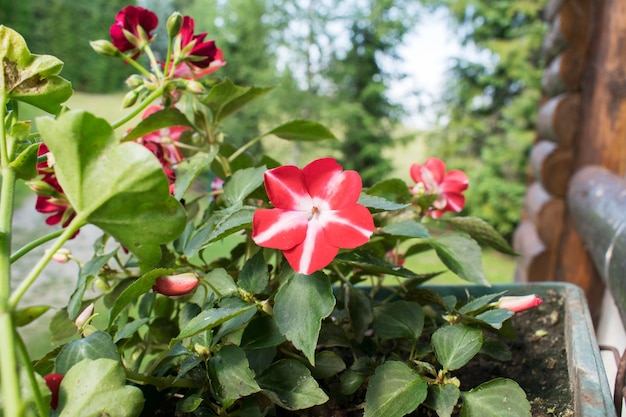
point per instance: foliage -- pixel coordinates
(490, 105)
(284, 321)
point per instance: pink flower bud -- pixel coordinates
(61, 256)
(53, 381)
(519, 303)
(175, 285)
(84, 316)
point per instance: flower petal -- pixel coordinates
(455, 181)
(286, 188)
(314, 253)
(455, 202)
(279, 229)
(326, 181)
(437, 169)
(347, 228)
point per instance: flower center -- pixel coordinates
(314, 212)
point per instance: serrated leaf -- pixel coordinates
(480, 302)
(407, 229)
(209, 319)
(254, 275)
(496, 398)
(297, 317)
(164, 118)
(105, 186)
(139, 287)
(456, 345)
(483, 232)
(31, 78)
(495, 317)
(194, 167)
(379, 203)
(399, 319)
(95, 346)
(221, 283)
(261, 333)
(327, 364)
(443, 398)
(302, 130)
(95, 388)
(225, 99)
(461, 255)
(129, 329)
(394, 391)
(231, 372)
(289, 384)
(243, 182)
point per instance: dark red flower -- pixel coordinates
(125, 32)
(432, 179)
(53, 381)
(203, 58)
(316, 213)
(51, 199)
(162, 143)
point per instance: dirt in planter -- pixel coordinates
(539, 360)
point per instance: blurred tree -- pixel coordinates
(489, 107)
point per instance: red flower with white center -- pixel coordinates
(203, 58)
(162, 143)
(51, 199)
(125, 32)
(315, 214)
(519, 303)
(432, 179)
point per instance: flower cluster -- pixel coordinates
(226, 283)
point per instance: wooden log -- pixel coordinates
(558, 119)
(534, 262)
(570, 28)
(546, 213)
(552, 166)
(596, 199)
(564, 73)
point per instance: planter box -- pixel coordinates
(589, 385)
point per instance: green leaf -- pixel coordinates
(95, 388)
(456, 345)
(221, 224)
(61, 327)
(462, 255)
(167, 117)
(31, 78)
(25, 164)
(29, 314)
(225, 99)
(379, 203)
(209, 319)
(370, 263)
(327, 364)
(483, 232)
(393, 189)
(129, 329)
(121, 188)
(27, 394)
(221, 283)
(254, 275)
(407, 229)
(231, 374)
(88, 271)
(496, 398)
(394, 391)
(359, 311)
(495, 317)
(443, 398)
(302, 130)
(479, 302)
(243, 182)
(399, 319)
(194, 167)
(289, 384)
(95, 346)
(297, 316)
(261, 333)
(131, 293)
(496, 348)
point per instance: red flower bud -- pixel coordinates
(53, 381)
(519, 303)
(175, 285)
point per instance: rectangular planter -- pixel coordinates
(588, 380)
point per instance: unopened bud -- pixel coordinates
(176, 285)
(135, 81)
(84, 317)
(61, 256)
(174, 23)
(42, 188)
(53, 381)
(104, 47)
(130, 99)
(194, 86)
(519, 303)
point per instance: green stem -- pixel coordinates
(241, 150)
(35, 243)
(42, 407)
(66, 235)
(137, 66)
(145, 103)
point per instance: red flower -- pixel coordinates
(125, 32)
(431, 178)
(51, 199)
(315, 214)
(53, 381)
(162, 143)
(203, 57)
(519, 303)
